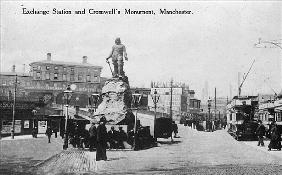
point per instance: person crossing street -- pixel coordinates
(260, 131)
(49, 133)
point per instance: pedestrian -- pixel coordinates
(76, 138)
(174, 129)
(112, 136)
(34, 132)
(92, 136)
(122, 137)
(84, 138)
(101, 140)
(49, 133)
(55, 130)
(275, 137)
(260, 131)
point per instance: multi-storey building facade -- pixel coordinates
(183, 102)
(48, 79)
(56, 75)
(45, 83)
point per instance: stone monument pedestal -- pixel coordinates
(116, 102)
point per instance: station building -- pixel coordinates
(42, 89)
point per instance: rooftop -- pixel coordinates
(65, 63)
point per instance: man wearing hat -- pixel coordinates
(122, 137)
(260, 131)
(101, 140)
(112, 136)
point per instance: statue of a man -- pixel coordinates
(117, 54)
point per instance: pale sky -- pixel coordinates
(213, 44)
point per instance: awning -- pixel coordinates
(278, 109)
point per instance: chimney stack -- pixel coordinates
(84, 59)
(14, 68)
(48, 56)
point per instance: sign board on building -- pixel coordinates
(7, 126)
(42, 127)
(26, 124)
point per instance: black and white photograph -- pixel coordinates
(141, 87)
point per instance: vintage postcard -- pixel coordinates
(141, 87)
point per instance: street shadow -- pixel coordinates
(117, 158)
(169, 142)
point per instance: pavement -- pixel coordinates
(273, 152)
(20, 154)
(21, 137)
(194, 152)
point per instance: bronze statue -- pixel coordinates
(117, 54)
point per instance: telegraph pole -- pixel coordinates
(170, 106)
(14, 108)
(214, 103)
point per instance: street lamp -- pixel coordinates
(209, 108)
(76, 100)
(155, 98)
(95, 96)
(34, 113)
(136, 97)
(67, 97)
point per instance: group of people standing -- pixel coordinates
(273, 133)
(100, 139)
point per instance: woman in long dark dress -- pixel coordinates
(101, 140)
(275, 142)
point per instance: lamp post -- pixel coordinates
(76, 100)
(155, 98)
(76, 106)
(67, 95)
(136, 97)
(95, 96)
(34, 113)
(209, 108)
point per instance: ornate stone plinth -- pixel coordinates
(116, 101)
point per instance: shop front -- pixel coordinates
(24, 118)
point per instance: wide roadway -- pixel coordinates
(194, 152)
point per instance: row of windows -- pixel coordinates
(37, 68)
(80, 77)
